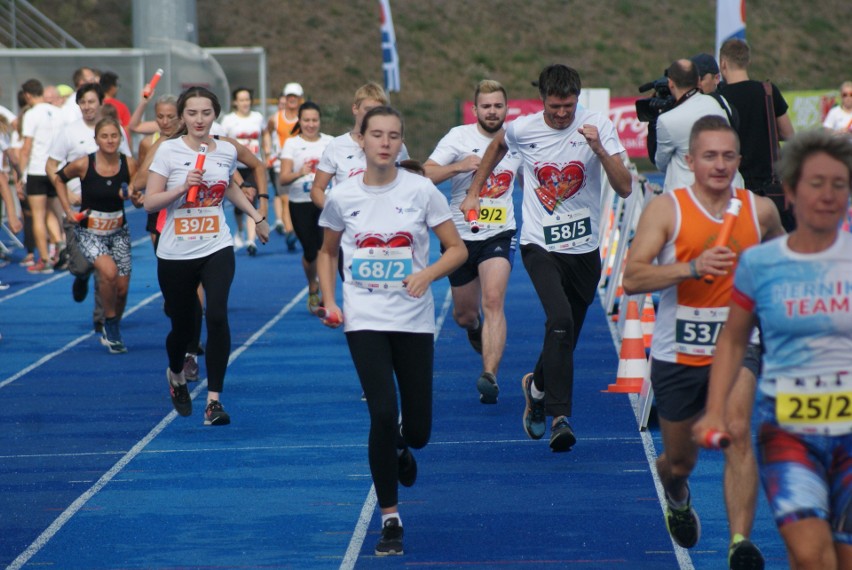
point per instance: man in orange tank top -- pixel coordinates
(678, 231)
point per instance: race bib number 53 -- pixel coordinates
(697, 329)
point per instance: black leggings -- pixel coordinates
(305, 218)
(377, 355)
(179, 281)
(566, 285)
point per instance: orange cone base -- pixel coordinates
(629, 386)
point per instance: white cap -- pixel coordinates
(293, 89)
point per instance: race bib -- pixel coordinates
(564, 231)
(196, 224)
(492, 213)
(697, 329)
(815, 405)
(104, 223)
(381, 267)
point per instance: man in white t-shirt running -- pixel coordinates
(565, 152)
(491, 248)
(41, 124)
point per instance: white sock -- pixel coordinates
(389, 516)
(536, 393)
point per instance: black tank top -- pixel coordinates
(102, 193)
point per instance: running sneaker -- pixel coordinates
(534, 415)
(390, 544)
(61, 261)
(180, 396)
(279, 227)
(114, 346)
(40, 267)
(80, 288)
(112, 337)
(27, 261)
(251, 248)
(683, 524)
(291, 239)
(475, 337)
(407, 468)
(4, 286)
(488, 389)
(562, 437)
(314, 302)
(743, 554)
(215, 414)
(190, 367)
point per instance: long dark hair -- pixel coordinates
(306, 106)
(189, 93)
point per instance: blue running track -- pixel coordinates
(98, 472)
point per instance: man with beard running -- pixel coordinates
(489, 238)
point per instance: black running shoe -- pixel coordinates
(683, 524)
(80, 288)
(488, 389)
(215, 414)
(562, 437)
(180, 396)
(390, 544)
(407, 468)
(744, 555)
(475, 337)
(534, 413)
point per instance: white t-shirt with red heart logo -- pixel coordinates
(562, 180)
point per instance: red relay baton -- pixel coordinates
(727, 229)
(473, 219)
(192, 193)
(149, 88)
(80, 216)
(716, 439)
(332, 318)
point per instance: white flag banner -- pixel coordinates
(390, 57)
(730, 21)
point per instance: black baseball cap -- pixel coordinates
(705, 63)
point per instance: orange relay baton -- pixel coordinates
(149, 88)
(192, 193)
(731, 214)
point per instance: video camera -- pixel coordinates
(648, 109)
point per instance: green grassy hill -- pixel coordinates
(445, 46)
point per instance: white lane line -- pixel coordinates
(56, 277)
(70, 345)
(81, 501)
(307, 446)
(360, 532)
(684, 560)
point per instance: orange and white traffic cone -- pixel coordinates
(648, 319)
(632, 362)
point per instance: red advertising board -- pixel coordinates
(622, 113)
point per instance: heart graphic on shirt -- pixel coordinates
(399, 239)
(558, 184)
(211, 195)
(497, 185)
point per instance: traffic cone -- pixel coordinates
(632, 362)
(647, 320)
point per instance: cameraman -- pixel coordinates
(673, 126)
